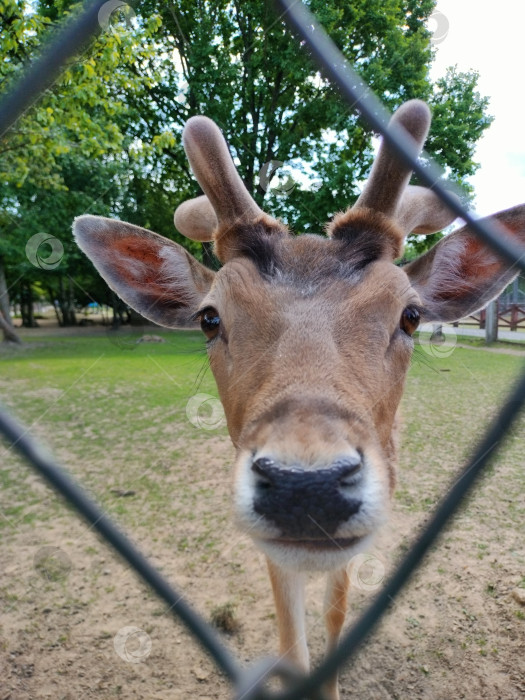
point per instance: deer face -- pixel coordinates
(309, 338)
(309, 343)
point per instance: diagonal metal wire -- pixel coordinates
(20, 440)
(335, 67)
(250, 683)
(45, 70)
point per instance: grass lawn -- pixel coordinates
(115, 414)
(94, 402)
(99, 399)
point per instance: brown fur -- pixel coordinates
(229, 235)
(373, 226)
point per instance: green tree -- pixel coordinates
(127, 98)
(83, 116)
(239, 63)
(79, 113)
(52, 262)
(460, 117)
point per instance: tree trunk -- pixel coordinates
(10, 336)
(52, 298)
(6, 324)
(66, 303)
(26, 306)
(72, 319)
(4, 295)
(118, 307)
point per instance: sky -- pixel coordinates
(488, 37)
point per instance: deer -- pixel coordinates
(309, 338)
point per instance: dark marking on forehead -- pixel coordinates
(262, 248)
(361, 246)
(232, 240)
(309, 259)
(372, 232)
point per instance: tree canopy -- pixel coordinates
(106, 137)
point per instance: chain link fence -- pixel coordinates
(252, 683)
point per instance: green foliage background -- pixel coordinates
(106, 138)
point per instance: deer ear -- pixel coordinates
(155, 276)
(461, 274)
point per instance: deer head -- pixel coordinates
(309, 338)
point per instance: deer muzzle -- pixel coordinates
(306, 505)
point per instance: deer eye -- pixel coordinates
(410, 319)
(210, 322)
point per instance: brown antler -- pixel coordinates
(414, 209)
(196, 219)
(422, 211)
(389, 176)
(227, 204)
(214, 169)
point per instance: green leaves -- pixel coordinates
(106, 137)
(459, 119)
(86, 109)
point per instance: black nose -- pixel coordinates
(306, 503)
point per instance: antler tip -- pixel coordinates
(199, 127)
(415, 116)
(196, 219)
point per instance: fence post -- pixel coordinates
(516, 291)
(491, 322)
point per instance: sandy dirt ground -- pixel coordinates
(76, 622)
